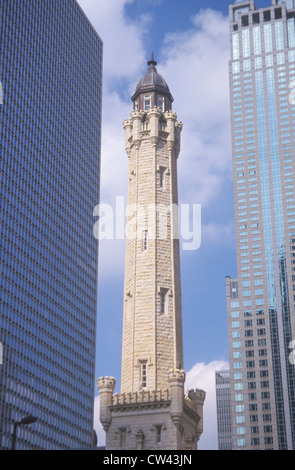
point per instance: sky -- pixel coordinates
(190, 42)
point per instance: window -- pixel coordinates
(158, 430)
(255, 441)
(160, 103)
(266, 15)
(163, 302)
(145, 240)
(255, 18)
(253, 418)
(122, 437)
(147, 102)
(143, 374)
(278, 13)
(245, 21)
(161, 176)
(268, 440)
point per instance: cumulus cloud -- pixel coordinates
(97, 424)
(200, 376)
(123, 39)
(196, 62)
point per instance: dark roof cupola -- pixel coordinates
(152, 90)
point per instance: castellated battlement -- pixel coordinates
(144, 396)
(106, 381)
(141, 115)
(197, 394)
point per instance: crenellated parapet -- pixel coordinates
(141, 397)
(155, 125)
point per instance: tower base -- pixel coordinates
(158, 420)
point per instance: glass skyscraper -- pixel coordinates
(50, 121)
(261, 301)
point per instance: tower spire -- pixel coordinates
(152, 61)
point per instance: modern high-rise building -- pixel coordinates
(223, 408)
(50, 121)
(152, 411)
(261, 300)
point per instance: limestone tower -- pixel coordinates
(152, 411)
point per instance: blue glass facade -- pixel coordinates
(50, 121)
(261, 301)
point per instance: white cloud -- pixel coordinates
(195, 64)
(200, 376)
(97, 424)
(122, 39)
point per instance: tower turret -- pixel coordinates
(152, 90)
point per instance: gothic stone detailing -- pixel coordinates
(152, 324)
(159, 420)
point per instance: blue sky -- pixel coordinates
(190, 40)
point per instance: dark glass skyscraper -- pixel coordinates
(50, 121)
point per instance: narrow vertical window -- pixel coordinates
(279, 35)
(161, 177)
(158, 430)
(143, 374)
(257, 40)
(160, 103)
(147, 102)
(122, 437)
(1, 93)
(246, 42)
(145, 240)
(163, 301)
(268, 37)
(236, 46)
(291, 32)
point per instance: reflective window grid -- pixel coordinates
(260, 302)
(50, 120)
